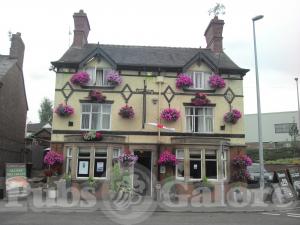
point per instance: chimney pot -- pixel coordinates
(17, 48)
(82, 29)
(213, 35)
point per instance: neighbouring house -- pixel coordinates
(97, 84)
(275, 129)
(13, 104)
(38, 137)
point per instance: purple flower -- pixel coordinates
(97, 96)
(167, 158)
(170, 114)
(200, 99)
(126, 112)
(233, 116)
(80, 78)
(127, 159)
(53, 158)
(183, 81)
(92, 136)
(216, 81)
(114, 78)
(64, 110)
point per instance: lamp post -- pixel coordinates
(261, 151)
(296, 79)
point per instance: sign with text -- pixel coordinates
(16, 180)
(285, 186)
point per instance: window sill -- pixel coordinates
(94, 86)
(197, 90)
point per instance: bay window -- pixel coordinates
(95, 116)
(100, 163)
(195, 165)
(211, 164)
(199, 119)
(83, 162)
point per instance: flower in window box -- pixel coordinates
(183, 81)
(92, 136)
(127, 159)
(64, 110)
(200, 99)
(80, 78)
(114, 78)
(216, 81)
(126, 112)
(167, 158)
(97, 96)
(170, 114)
(233, 116)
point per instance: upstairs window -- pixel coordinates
(283, 127)
(98, 76)
(95, 116)
(200, 80)
(199, 119)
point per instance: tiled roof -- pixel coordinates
(148, 56)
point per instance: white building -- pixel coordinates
(275, 128)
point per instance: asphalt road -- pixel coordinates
(170, 218)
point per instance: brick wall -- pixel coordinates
(13, 111)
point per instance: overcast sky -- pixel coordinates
(45, 31)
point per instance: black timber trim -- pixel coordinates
(154, 93)
(150, 133)
(201, 57)
(191, 104)
(90, 101)
(199, 90)
(97, 87)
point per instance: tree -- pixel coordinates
(293, 132)
(217, 10)
(46, 111)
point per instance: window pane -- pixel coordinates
(206, 78)
(100, 168)
(180, 154)
(180, 169)
(199, 124)
(195, 169)
(106, 108)
(96, 108)
(86, 107)
(83, 168)
(105, 121)
(189, 111)
(85, 120)
(100, 153)
(211, 154)
(195, 155)
(84, 153)
(199, 111)
(99, 78)
(208, 111)
(209, 124)
(211, 169)
(69, 152)
(95, 122)
(198, 79)
(69, 166)
(91, 72)
(189, 125)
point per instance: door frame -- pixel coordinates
(151, 169)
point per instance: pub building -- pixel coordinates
(148, 99)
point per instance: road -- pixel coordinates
(291, 217)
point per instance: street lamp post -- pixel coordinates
(296, 79)
(261, 151)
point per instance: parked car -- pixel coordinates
(254, 172)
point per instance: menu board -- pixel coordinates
(295, 178)
(16, 180)
(285, 186)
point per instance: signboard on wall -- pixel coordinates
(285, 186)
(16, 180)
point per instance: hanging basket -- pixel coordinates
(126, 112)
(170, 114)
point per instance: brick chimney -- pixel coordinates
(213, 35)
(17, 48)
(82, 29)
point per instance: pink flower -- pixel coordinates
(114, 78)
(53, 158)
(183, 81)
(126, 112)
(64, 110)
(167, 158)
(170, 114)
(216, 81)
(97, 96)
(233, 116)
(80, 78)
(200, 99)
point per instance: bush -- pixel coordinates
(272, 154)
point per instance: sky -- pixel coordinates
(45, 27)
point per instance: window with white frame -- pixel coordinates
(180, 164)
(115, 156)
(200, 80)
(199, 119)
(100, 163)
(83, 162)
(195, 165)
(98, 76)
(211, 171)
(95, 116)
(69, 161)
(224, 163)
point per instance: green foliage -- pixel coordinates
(206, 183)
(46, 111)
(272, 154)
(217, 10)
(285, 161)
(91, 181)
(116, 178)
